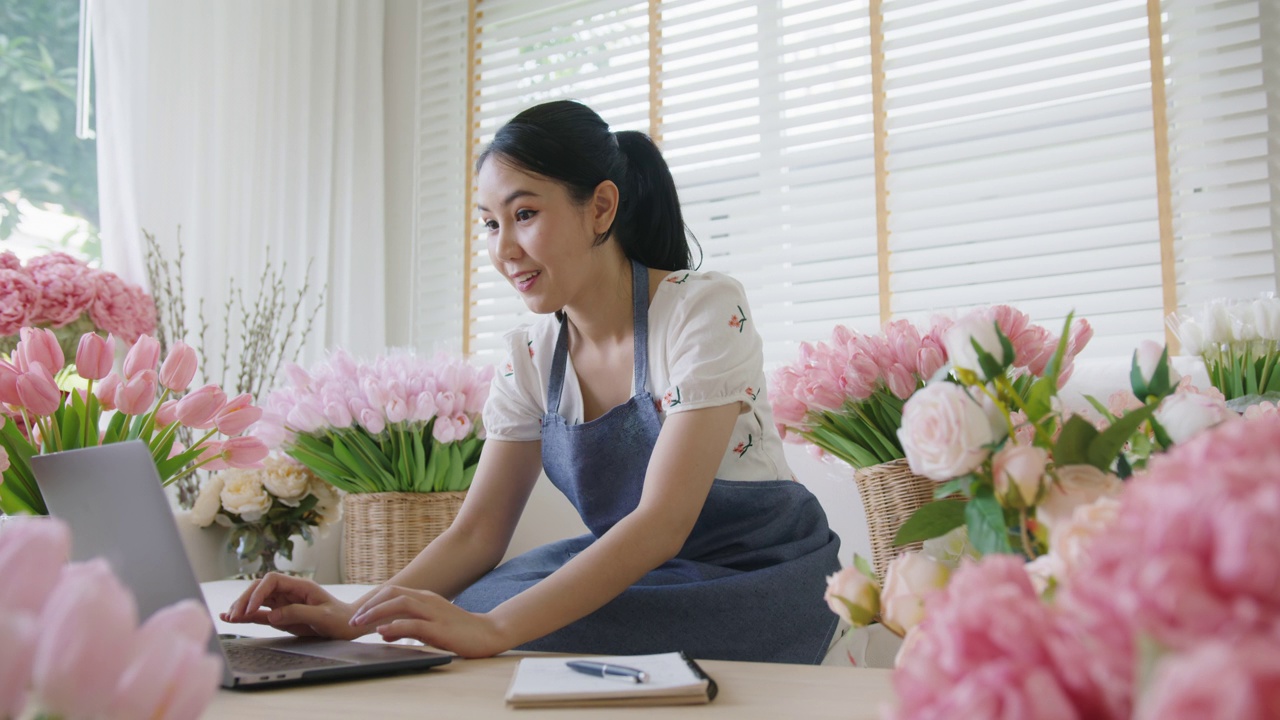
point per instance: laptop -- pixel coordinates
(112, 498)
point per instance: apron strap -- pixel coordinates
(640, 331)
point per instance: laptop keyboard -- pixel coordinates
(250, 659)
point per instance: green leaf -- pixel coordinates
(434, 471)
(1039, 400)
(953, 486)
(1105, 446)
(1072, 447)
(990, 366)
(984, 517)
(1102, 409)
(419, 463)
(468, 475)
(858, 616)
(932, 520)
(864, 567)
(453, 480)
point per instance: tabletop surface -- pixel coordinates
(475, 689)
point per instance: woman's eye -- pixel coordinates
(523, 215)
(491, 225)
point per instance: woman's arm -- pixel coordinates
(681, 469)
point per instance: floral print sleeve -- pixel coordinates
(516, 398)
(714, 355)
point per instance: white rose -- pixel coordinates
(1076, 485)
(208, 502)
(1184, 415)
(1018, 472)
(980, 327)
(853, 596)
(908, 580)
(944, 432)
(1044, 571)
(242, 494)
(285, 479)
(1071, 541)
(328, 502)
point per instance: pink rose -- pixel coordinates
(909, 579)
(853, 596)
(1219, 679)
(1071, 540)
(944, 432)
(1076, 485)
(18, 297)
(1018, 471)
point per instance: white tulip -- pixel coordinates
(980, 327)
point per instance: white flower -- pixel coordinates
(1077, 485)
(242, 494)
(980, 327)
(328, 502)
(1184, 415)
(1191, 333)
(951, 548)
(208, 502)
(853, 596)
(1148, 357)
(285, 479)
(944, 432)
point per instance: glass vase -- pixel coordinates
(257, 553)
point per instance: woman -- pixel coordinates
(641, 394)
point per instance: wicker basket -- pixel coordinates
(383, 531)
(891, 493)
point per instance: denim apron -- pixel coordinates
(748, 583)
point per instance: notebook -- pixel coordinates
(673, 679)
(112, 498)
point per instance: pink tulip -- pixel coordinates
(169, 674)
(244, 452)
(18, 632)
(32, 554)
(211, 457)
(9, 384)
(372, 420)
(237, 415)
(270, 430)
(94, 356)
(167, 413)
(37, 391)
(144, 355)
(87, 624)
(199, 408)
(106, 391)
(137, 394)
(179, 367)
(39, 345)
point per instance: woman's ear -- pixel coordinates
(604, 206)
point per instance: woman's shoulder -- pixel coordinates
(692, 288)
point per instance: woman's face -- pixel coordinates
(539, 239)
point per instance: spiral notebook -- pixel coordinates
(674, 679)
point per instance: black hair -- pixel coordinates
(569, 143)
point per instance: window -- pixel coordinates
(852, 161)
(48, 175)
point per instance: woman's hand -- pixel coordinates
(399, 612)
(296, 606)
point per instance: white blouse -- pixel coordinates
(704, 351)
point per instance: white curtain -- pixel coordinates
(257, 127)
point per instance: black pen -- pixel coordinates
(605, 670)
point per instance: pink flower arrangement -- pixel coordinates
(1179, 584)
(137, 404)
(415, 422)
(58, 291)
(72, 644)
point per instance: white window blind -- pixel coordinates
(1021, 165)
(1020, 150)
(440, 176)
(765, 121)
(1218, 137)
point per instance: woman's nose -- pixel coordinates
(504, 246)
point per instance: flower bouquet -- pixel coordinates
(265, 508)
(72, 646)
(147, 402)
(401, 435)
(1239, 342)
(59, 292)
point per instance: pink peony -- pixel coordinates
(120, 309)
(67, 288)
(18, 297)
(1237, 680)
(989, 648)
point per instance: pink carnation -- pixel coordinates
(989, 648)
(67, 288)
(18, 297)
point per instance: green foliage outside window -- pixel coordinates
(40, 156)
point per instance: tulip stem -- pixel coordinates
(88, 413)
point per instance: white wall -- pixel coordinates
(399, 85)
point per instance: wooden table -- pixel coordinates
(475, 690)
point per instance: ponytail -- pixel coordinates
(568, 142)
